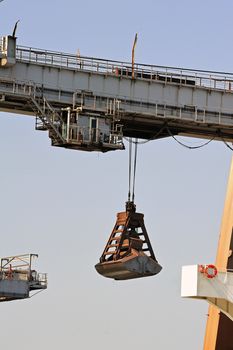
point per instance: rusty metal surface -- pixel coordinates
(128, 253)
(135, 265)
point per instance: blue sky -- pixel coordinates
(62, 204)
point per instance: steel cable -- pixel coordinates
(135, 165)
(186, 146)
(132, 168)
(226, 144)
(130, 165)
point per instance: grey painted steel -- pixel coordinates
(14, 288)
(189, 102)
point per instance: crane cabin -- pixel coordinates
(89, 132)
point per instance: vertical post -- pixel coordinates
(68, 124)
(133, 50)
(30, 266)
(219, 328)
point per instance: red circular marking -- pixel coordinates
(211, 271)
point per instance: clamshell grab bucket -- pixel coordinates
(128, 253)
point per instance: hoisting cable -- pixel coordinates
(132, 168)
(135, 164)
(130, 164)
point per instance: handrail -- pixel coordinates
(183, 76)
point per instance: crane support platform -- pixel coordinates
(89, 103)
(18, 279)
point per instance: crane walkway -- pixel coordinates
(144, 101)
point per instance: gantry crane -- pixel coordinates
(90, 104)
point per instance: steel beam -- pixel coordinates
(158, 102)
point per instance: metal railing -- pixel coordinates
(41, 278)
(92, 135)
(24, 275)
(182, 76)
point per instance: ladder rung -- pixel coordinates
(115, 238)
(113, 245)
(121, 222)
(109, 253)
(118, 230)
